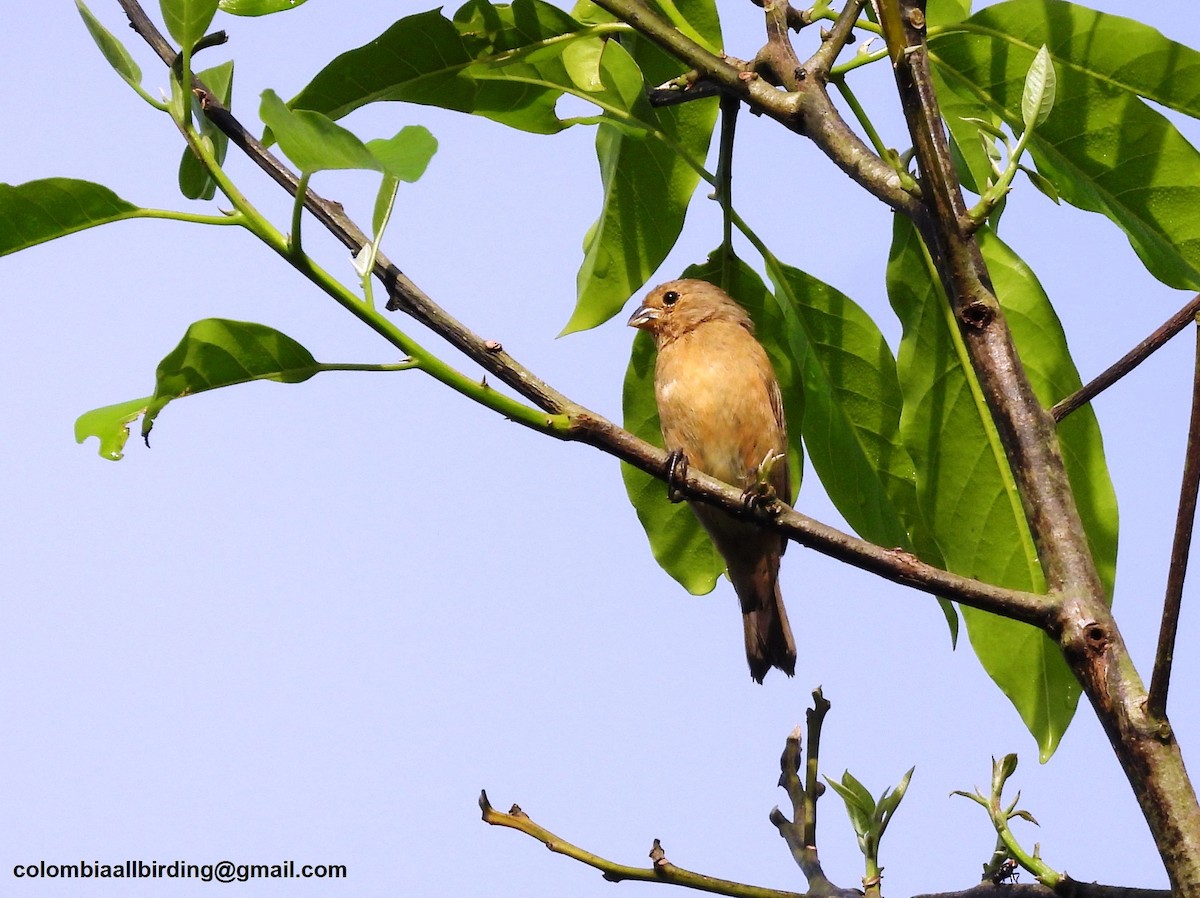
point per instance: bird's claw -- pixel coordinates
(677, 465)
(761, 495)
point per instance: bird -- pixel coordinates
(719, 404)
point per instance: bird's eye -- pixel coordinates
(670, 298)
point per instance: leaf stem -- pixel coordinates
(288, 247)
(295, 239)
(860, 113)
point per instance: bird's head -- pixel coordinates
(677, 307)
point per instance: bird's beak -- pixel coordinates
(643, 316)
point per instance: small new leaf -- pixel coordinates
(405, 156)
(974, 796)
(114, 51)
(195, 182)
(1042, 183)
(187, 20)
(1001, 771)
(1040, 85)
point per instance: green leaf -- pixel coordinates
(111, 426)
(484, 62)
(970, 128)
(195, 183)
(852, 409)
(1104, 149)
(966, 491)
(1039, 337)
(1037, 98)
(939, 13)
(37, 211)
(257, 7)
(890, 800)
(405, 156)
(964, 483)
(114, 51)
(312, 141)
(188, 20)
(678, 542)
(852, 406)
(860, 805)
(648, 184)
(1001, 771)
(1044, 185)
(217, 352)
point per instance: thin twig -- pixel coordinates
(724, 192)
(663, 870)
(800, 832)
(1160, 680)
(778, 59)
(814, 717)
(809, 111)
(842, 32)
(1129, 361)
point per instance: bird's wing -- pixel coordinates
(781, 478)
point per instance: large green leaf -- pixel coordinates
(37, 211)
(647, 180)
(215, 352)
(1042, 343)
(964, 483)
(852, 406)
(852, 411)
(502, 62)
(1103, 147)
(678, 542)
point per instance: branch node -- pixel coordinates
(978, 314)
(1096, 637)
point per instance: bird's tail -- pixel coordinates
(769, 641)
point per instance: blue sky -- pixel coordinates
(314, 621)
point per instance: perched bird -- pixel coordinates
(720, 405)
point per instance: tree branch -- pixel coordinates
(1129, 361)
(1068, 888)
(1161, 678)
(800, 832)
(663, 870)
(403, 293)
(807, 111)
(1084, 628)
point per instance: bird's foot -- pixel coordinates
(760, 495)
(677, 465)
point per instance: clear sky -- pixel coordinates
(314, 621)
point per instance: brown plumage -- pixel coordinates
(719, 402)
